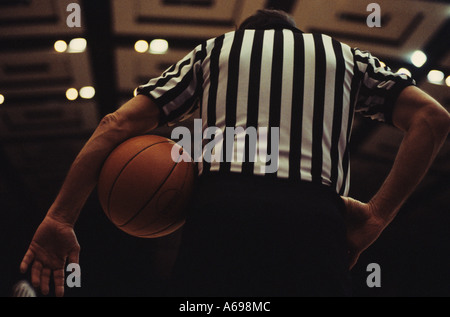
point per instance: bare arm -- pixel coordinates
(136, 117)
(426, 125)
(55, 241)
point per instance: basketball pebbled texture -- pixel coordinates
(142, 190)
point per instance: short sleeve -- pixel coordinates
(379, 87)
(177, 91)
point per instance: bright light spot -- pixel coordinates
(382, 64)
(435, 76)
(77, 45)
(418, 58)
(141, 46)
(447, 81)
(72, 94)
(159, 46)
(60, 46)
(404, 71)
(2, 99)
(87, 92)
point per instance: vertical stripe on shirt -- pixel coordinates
(253, 99)
(337, 112)
(286, 103)
(275, 99)
(214, 86)
(298, 81)
(319, 103)
(264, 102)
(231, 98)
(308, 108)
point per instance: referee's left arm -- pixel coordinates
(426, 125)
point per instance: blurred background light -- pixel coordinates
(72, 94)
(87, 92)
(418, 58)
(435, 77)
(141, 46)
(60, 46)
(159, 46)
(77, 45)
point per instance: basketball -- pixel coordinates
(144, 189)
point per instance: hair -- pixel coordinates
(269, 19)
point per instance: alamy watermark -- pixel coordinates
(208, 145)
(74, 18)
(374, 278)
(74, 278)
(374, 18)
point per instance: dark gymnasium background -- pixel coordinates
(44, 123)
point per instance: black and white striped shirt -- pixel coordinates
(307, 85)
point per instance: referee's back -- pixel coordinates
(308, 86)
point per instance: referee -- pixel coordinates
(252, 231)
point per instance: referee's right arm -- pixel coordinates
(426, 125)
(55, 241)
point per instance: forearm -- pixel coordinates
(83, 174)
(417, 151)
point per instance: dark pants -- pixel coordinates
(253, 236)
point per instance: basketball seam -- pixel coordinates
(175, 224)
(172, 224)
(120, 173)
(151, 198)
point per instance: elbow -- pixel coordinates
(436, 119)
(114, 123)
(110, 120)
(440, 121)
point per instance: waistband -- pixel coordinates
(231, 185)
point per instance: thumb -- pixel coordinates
(346, 200)
(351, 204)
